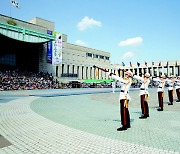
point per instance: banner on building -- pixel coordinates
(57, 49)
(49, 49)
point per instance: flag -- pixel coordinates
(138, 64)
(167, 64)
(145, 63)
(152, 63)
(123, 64)
(15, 3)
(130, 64)
(159, 63)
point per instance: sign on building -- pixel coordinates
(57, 49)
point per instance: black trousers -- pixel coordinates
(178, 93)
(144, 106)
(170, 94)
(160, 99)
(125, 117)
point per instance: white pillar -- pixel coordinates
(152, 70)
(174, 70)
(168, 70)
(138, 71)
(157, 71)
(65, 68)
(89, 71)
(70, 68)
(80, 72)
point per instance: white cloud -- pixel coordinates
(128, 55)
(131, 41)
(81, 43)
(87, 22)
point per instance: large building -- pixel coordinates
(35, 46)
(24, 46)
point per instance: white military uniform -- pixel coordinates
(170, 83)
(144, 95)
(160, 90)
(144, 86)
(177, 87)
(161, 84)
(125, 86)
(124, 99)
(113, 86)
(177, 84)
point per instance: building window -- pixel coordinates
(96, 56)
(107, 58)
(101, 57)
(89, 54)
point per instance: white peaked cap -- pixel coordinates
(129, 73)
(147, 75)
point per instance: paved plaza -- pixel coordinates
(84, 121)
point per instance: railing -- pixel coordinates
(39, 37)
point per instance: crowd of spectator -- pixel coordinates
(18, 80)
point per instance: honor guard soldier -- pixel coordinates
(113, 86)
(144, 94)
(177, 87)
(170, 83)
(124, 98)
(161, 83)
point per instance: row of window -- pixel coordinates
(97, 56)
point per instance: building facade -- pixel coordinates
(29, 41)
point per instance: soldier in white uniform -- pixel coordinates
(113, 86)
(177, 87)
(161, 83)
(144, 94)
(124, 98)
(170, 83)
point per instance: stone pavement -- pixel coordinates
(84, 124)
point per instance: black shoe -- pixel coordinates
(122, 128)
(143, 117)
(147, 115)
(178, 101)
(128, 126)
(170, 103)
(160, 109)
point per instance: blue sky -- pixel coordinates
(131, 30)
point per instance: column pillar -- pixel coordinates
(168, 69)
(65, 68)
(152, 71)
(138, 71)
(157, 71)
(70, 68)
(174, 70)
(80, 72)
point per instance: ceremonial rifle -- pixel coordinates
(100, 68)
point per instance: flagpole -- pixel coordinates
(10, 9)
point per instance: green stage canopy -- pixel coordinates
(97, 81)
